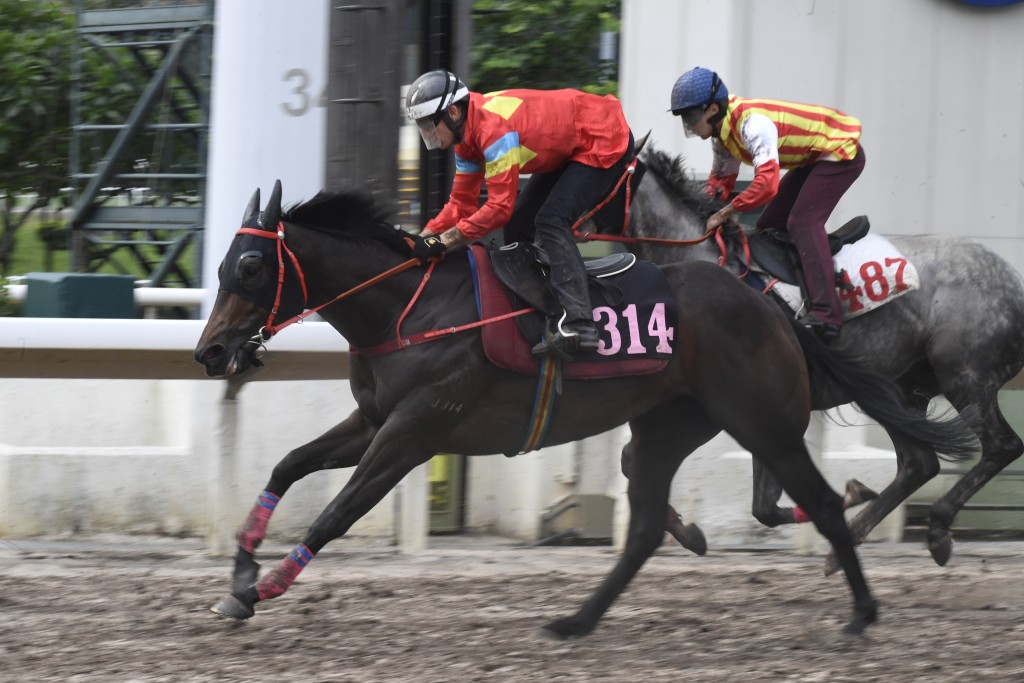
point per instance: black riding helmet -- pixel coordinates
(428, 100)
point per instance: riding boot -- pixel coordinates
(825, 313)
(575, 331)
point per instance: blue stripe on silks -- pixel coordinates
(467, 166)
(502, 146)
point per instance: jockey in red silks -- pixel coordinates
(575, 146)
(819, 146)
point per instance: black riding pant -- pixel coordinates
(545, 210)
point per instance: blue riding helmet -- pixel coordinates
(698, 87)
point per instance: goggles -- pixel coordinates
(691, 116)
(428, 131)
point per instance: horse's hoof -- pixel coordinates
(940, 545)
(566, 628)
(690, 537)
(831, 564)
(857, 493)
(861, 620)
(247, 571)
(233, 608)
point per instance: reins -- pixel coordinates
(622, 238)
(270, 329)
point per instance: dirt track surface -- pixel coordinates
(87, 612)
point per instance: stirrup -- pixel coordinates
(562, 341)
(826, 331)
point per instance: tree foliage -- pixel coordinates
(35, 44)
(546, 45)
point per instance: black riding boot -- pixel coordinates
(575, 331)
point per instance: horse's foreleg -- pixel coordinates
(808, 488)
(341, 446)
(391, 456)
(663, 438)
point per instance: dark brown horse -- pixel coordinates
(960, 335)
(738, 364)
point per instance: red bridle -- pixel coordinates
(270, 329)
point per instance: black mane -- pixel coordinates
(672, 172)
(354, 212)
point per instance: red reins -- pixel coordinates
(662, 241)
(400, 342)
(270, 329)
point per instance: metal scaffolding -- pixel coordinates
(138, 164)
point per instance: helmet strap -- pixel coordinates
(458, 129)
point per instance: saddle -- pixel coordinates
(639, 340)
(519, 267)
(775, 253)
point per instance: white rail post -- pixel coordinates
(413, 518)
(224, 506)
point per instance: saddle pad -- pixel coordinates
(620, 354)
(876, 271)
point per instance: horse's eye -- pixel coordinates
(251, 273)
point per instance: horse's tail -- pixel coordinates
(883, 400)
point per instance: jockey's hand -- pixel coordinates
(426, 247)
(720, 217)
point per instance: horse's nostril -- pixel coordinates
(210, 353)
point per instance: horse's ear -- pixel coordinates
(253, 208)
(272, 212)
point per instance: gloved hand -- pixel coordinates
(723, 185)
(426, 247)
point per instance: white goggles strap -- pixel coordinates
(435, 106)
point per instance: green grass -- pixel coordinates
(30, 256)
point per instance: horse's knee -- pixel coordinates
(625, 458)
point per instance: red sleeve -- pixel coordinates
(761, 189)
(463, 201)
(501, 198)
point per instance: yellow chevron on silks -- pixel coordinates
(525, 155)
(503, 106)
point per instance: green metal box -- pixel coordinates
(79, 295)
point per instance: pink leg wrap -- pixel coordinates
(255, 526)
(281, 578)
(799, 516)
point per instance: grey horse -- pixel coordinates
(960, 335)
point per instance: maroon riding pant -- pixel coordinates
(806, 198)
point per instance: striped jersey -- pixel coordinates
(755, 131)
(525, 131)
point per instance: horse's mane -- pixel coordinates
(671, 170)
(353, 212)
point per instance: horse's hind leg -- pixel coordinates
(662, 438)
(687, 535)
(1000, 446)
(341, 446)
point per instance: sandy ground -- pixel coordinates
(470, 610)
